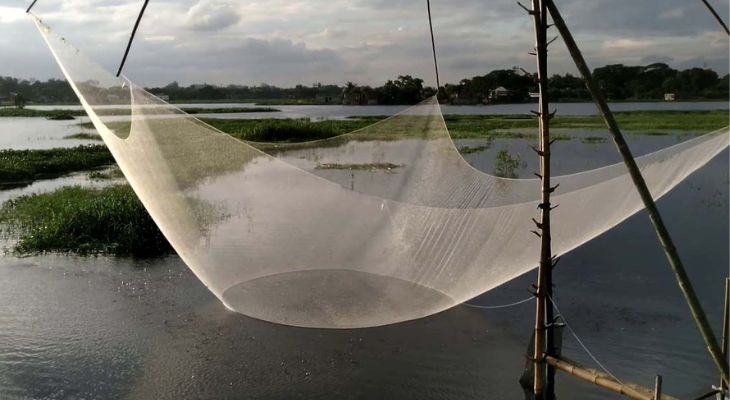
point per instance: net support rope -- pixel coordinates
(582, 344)
(516, 303)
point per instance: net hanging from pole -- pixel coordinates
(385, 224)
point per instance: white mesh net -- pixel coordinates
(387, 224)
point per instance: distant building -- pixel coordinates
(500, 93)
(670, 96)
(163, 97)
(355, 96)
(324, 99)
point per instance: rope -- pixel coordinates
(433, 46)
(516, 303)
(580, 342)
(131, 38)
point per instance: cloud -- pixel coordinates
(11, 14)
(208, 15)
(286, 42)
(628, 44)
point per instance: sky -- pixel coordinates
(288, 42)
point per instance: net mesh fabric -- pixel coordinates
(382, 225)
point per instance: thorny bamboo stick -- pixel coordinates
(661, 230)
(544, 382)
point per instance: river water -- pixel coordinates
(106, 328)
(341, 111)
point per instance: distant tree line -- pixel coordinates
(619, 83)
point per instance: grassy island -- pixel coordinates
(18, 166)
(83, 220)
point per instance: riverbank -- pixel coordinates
(66, 114)
(464, 126)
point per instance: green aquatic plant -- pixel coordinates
(475, 149)
(105, 175)
(507, 166)
(28, 165)
(62, 116)
(83, 136)
(593, 139)
(360, 167)
(80, 220)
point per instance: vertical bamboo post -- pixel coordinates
(725, 328)
(544, 374)
(661, 230)
(658, 388)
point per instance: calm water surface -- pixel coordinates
(102, 328)
(341, 111)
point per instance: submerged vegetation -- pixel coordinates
(593, 139)
(83, 136)
(474, 149)
(83, 220)
(106, 174)
(507, 166)
(26, 165)
(361, 167)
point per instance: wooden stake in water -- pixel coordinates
(661, 230)
(544, 340)
(725, 329)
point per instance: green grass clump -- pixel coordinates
(27, 165)
(106, 175)
(61, 117)
(229, 110)
(360, 167)
(85, 221)
(284, 130)
(83, 136)
(473, 149)
(593, 139)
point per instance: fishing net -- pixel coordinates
(381, 225)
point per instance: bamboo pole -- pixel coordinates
(30, 6)
(131, 37)
(605, 381)
(725, 328)
(717, 16)
(661, 230)
(658, 388)
(543, 374)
